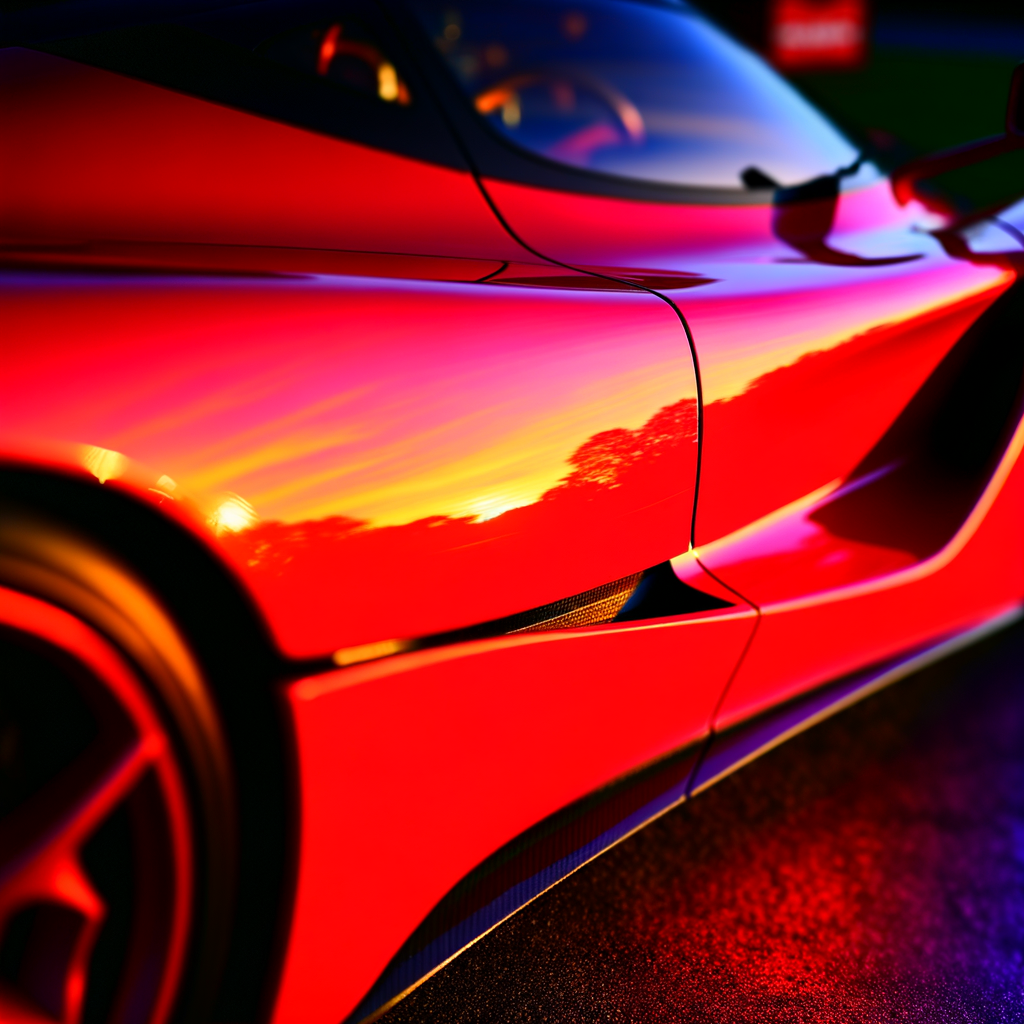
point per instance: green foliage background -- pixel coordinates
(906, 102)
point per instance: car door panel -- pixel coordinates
(806, 365)
(378, 458)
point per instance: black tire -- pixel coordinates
(202, 658)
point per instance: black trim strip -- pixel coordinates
(653, 594)
(526, 867)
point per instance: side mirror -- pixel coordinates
(906, 177)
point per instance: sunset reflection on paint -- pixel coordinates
(803, 351)
(800, 314)
(343, 408)
(326, 409)
(784, 338)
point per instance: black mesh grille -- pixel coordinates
(590, 608)
(654, 593)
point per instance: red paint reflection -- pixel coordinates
(591, 510)
(870, 870)
(423, 456)
(416, 768)
(828, 369)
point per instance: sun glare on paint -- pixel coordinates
(233, 515)
(103, 463)
(491, 506)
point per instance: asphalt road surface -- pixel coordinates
(870, 870)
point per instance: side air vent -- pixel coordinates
(934, 462)
(655, 593)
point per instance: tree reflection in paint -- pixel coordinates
(628, 493)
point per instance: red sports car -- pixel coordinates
(438, 437)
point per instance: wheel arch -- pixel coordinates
(241, 668)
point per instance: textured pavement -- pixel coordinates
(871, 870)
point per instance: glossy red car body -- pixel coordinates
(397, 401)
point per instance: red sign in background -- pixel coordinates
(817, 33)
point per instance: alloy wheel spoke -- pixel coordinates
(42, 875)
(39, 843)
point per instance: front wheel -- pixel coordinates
(116, 799)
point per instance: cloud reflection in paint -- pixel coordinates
(416, 410)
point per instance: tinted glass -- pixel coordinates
(639, 90)
(343, 51)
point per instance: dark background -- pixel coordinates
(937, 74)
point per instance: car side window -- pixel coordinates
(344, 51)
(646, 90)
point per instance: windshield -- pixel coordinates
(635, 89)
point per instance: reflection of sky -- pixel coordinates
(710, 107)
(800, 312)
(705, 126)
(381, 402)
